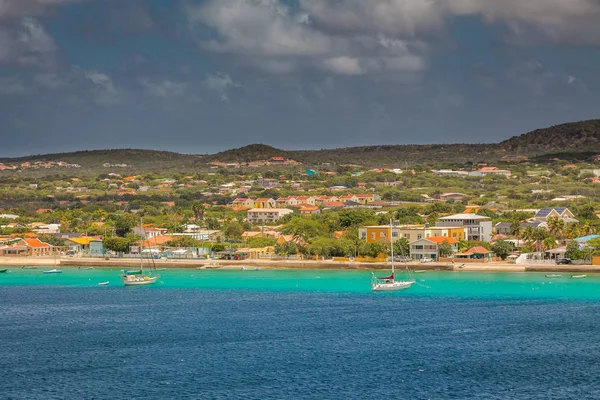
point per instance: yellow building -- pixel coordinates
(410, 232)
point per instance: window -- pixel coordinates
(454, 235)
(419, 236)
(373, 235)
(418, 247)
(382, 234)
(394, 234)
(363, 235)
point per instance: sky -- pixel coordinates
(208, 75)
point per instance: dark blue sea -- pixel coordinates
(71, 342)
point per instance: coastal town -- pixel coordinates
(511, 212)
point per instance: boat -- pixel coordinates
(553, 276)
(420, 271)
(103, 283)
(389, 283)
(138, 277)
(29, 267)
(85, 268)
(3, 271)
(578, 276)
(53, 271)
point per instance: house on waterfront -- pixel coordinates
(430, 247)
(478, 227)
(380, 233)
(476, 253)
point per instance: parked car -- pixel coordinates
(563, 261)
(426, 260)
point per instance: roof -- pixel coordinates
(83, 240)
(278, 210)
(465, 216)
(586, 238)
(441, 239)
(35, 242)
(478, 250)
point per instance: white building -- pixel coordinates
(262, 215)
(478, 226)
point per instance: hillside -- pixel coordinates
(577, 140)
(564, 138)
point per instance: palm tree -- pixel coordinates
(556, 226)
(527, 233)
(572, 231)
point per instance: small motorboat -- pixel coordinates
(53, 271)
(86, 268)
(420, 271)
(160, 269)
(553, 276)
(103, 283)
(578, 276)
(3, 271)
(29, 267)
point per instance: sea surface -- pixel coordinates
(288, 334)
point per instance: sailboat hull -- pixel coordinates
(393, 286)
(131, 280)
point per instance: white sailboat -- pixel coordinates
(139, 278)
(389, 283)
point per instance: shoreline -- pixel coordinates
(291, 264)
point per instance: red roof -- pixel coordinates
(442, 239)
(477, 250)
(35, 242)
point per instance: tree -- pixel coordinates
(259, 242)
(573, 251)
(184, 241)
(123, 225)
(234, 230)
(445, 249)
(374, 249)
(119, 244)
(515, 229)
(286, 249)
(401, 247)
(556, 227)
(304, 228)
(198, 209)
(502, 248)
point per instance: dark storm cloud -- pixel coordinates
(201, 76)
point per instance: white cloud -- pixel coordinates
(51, 80)
(220, 82)
(571, 79)
(268, 35)
(104, 91)
(344, 65)
(13, 86)
(28, 44)
(164, 89)
(20, 8)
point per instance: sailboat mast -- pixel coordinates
(392, 244)
(141, 244)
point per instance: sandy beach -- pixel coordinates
(291, 264)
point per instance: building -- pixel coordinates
(148, 232)
(265, 202)
(265, 215)
(410, 232)
(490, 171)
(430, 248)
(478, 226)
(544, 214)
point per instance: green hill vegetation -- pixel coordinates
(571, 141)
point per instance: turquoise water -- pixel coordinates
(289, 334)
(431, 283)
